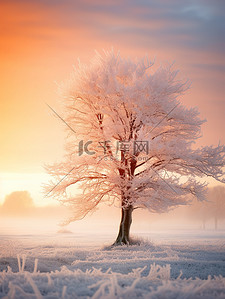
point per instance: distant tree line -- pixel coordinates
(213, 208)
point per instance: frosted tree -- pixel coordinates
(17, 204)
(130, 141)
(213, 208)
(200, 210)
(216, 197)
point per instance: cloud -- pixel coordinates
(193, 24)
(210, 67)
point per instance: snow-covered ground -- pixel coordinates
(181, 264)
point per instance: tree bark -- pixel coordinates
(124, 230)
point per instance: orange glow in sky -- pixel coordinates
(42, 40)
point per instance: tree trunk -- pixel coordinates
(216, 222)
(203, 224)
(124, 231)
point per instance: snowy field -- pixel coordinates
(183, 264)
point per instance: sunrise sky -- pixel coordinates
(41, 41)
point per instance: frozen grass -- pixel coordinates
(67, 266)
(134, 241)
